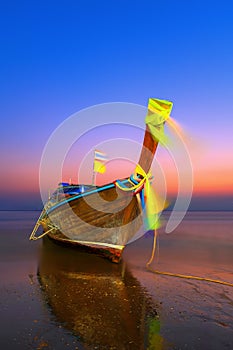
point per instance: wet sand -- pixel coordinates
(193, 314)
(55, 298)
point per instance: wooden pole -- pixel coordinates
(148, 149)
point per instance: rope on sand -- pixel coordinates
(177, 274)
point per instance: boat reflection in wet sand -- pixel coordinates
(101, 303)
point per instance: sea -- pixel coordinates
(55, 297)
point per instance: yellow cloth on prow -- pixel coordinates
(158, 112)
(152, 209)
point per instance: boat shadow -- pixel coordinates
(102, 303)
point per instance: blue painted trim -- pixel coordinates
(133, 180)
(121, 183)
(142, 197)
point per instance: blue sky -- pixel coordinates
(59, 57)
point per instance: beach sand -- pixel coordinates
(193, 314)
(56, 298)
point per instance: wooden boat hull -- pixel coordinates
(103, 220)
(112, 253)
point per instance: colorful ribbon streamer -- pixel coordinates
(159, 112)
(144, 182)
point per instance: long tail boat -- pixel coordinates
(105, 218)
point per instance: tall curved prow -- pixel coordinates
(158, 113)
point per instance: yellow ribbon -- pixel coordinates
(152, 221)
(151, 204)
(161, 107)
(159, 112)
(156, 130)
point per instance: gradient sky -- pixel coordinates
(58, 58)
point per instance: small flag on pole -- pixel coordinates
(99, 162)
(99, 167)
(100, 155)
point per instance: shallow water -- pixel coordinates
(55, 298)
